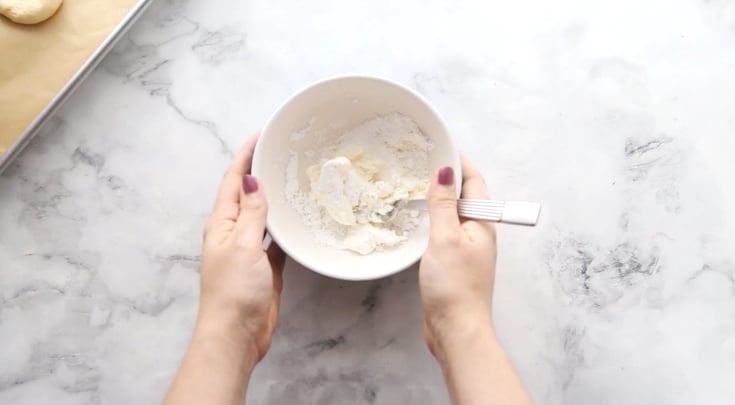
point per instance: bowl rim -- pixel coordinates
(305, 262)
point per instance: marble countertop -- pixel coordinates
(618, 116)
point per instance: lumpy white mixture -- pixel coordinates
(356, 183)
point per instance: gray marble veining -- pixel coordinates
(618, 116)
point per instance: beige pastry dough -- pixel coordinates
(29, 11)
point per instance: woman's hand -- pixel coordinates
(456, 279)
(457, 271)
(240, 282)
(240, 293)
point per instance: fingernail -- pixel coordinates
(249, 184)
(445, 176)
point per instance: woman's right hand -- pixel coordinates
(456, 279)
(457, 271)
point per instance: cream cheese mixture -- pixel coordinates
(356, 183)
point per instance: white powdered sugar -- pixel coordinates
(356, 182)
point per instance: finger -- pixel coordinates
(251, 220)
(228, 196)
(442, 203)
(473, 185)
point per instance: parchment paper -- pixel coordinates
(37, 60)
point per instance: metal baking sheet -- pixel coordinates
(76, 79)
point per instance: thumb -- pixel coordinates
(250, 224)
(442, 203)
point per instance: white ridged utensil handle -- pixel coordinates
(521, 213)
(509, 212)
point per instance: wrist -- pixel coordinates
(227, 332)
(223, 317)
(453, 331)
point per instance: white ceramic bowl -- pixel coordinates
(333, 105)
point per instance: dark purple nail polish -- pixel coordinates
(445, 176)
(249, 184)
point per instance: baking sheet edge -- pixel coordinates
(87, 67)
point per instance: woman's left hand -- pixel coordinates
(240, 282)
(240, 293)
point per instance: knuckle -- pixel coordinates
(249, 245)
(245, 244)
(452, 239)
(446, 239)
(443, 202)
(486, 228)
(254, 204)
